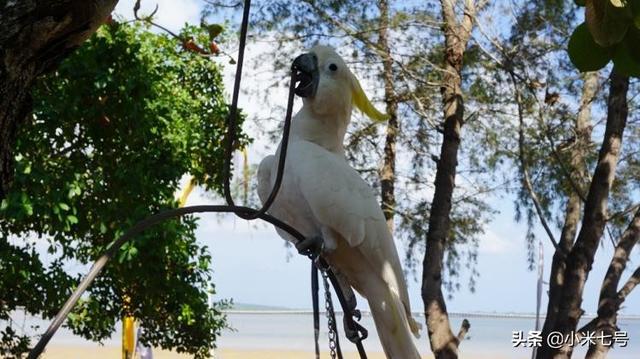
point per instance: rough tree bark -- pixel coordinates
(34, 37)
(580, 259)
(610, 299)
(388, 170)
(577, 164)
(444, 343)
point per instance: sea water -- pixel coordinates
(490, 335)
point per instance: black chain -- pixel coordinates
(334, 341)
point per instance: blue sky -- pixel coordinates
(252, 265)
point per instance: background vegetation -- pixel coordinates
(114, 129)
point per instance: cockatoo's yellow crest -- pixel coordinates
(361, 101)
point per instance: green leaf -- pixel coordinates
(584, 53)
(74, 190)
(72, 219)
(624, 63)
(63, 206)
(214, 30)
(4, 205)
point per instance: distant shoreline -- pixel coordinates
(417, 314)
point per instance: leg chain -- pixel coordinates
(334, 342)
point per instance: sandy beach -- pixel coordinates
(70, 352)
(105, 352)
(77, 352)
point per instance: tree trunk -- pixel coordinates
(34, 37)
(574, 205)
(610, 300)
(580, 258)
(388, 170)
(444, 343)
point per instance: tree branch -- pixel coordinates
(633, 282)
(580, 259)
(523, 166)
(464, 329)
(34, 37)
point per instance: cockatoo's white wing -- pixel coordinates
(264, 177)
(322, 183)
(337, 195)
(265, 186)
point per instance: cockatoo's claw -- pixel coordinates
(310, 247)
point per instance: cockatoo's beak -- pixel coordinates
(305, 67)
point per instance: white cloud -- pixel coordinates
(492, 243)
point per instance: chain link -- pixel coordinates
(333, 332)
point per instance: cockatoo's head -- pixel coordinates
(328, 87)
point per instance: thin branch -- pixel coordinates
(525, 172)
(187, 43)
(563, 167)
(509, 68)
(624, 212)
(149, 19)
(633, 282)
(358, 35)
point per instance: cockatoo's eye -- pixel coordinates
(333, 67)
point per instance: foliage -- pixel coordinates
(613, 35)
(113, 131)
(552, 90)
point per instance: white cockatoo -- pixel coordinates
(322, 196)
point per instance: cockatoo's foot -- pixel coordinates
(311, 247)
